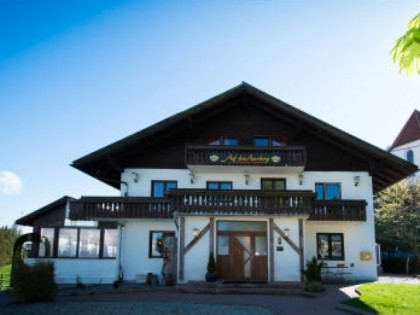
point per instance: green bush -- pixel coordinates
(313, 270)
(35, 283)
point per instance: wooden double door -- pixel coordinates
(242, 255)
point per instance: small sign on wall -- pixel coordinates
(365, 256)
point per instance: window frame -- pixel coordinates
(165, 186)
(152, 253)
(271, 141)
(325, 190)
(55, 247)
(330, 256)
(410, 156)
(221, 140)
(219, 184)
(273, 180)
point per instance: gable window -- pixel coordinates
(219, 185)
(410, 156)
(330, 246)
(159, 187)
(223, 140)
(328, 191)
(269, 141)
(273, 184)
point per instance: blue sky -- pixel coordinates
(78, 75)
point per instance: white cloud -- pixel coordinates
(10, 183)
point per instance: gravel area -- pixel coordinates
(131, 308)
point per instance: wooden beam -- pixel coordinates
(197, 238)
(271, 236)
(211, 245)
(181, 247)
(301, 248)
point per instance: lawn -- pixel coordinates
(388, 299)
(5, 276)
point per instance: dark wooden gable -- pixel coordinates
(244, 112)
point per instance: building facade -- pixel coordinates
(260, 184)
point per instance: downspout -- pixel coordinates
(120, 273)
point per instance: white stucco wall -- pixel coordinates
(89, 271)
(135, 247)
(358, 236)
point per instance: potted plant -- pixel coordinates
(313, 275)
(211, 275)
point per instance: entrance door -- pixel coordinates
(242, 251)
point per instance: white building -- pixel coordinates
(407, 143)
(261, 184)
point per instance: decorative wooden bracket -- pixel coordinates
(197, 238)
(286, 238)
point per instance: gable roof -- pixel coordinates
(31, 217)
(410, 132)
(385, 168)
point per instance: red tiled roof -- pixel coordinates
(410, 132)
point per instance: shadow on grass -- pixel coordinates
(355, 302)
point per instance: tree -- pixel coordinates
(7, 240)
(406, 50)
(398, 216)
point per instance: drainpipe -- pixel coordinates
(120, 273)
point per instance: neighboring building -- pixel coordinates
(258, 182)
(407, 143)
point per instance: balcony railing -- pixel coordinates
(205, 202)
(338, 210)
(245, 156)
(237, 202)
(89, 208)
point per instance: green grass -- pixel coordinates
(5, 272)
(388, 299)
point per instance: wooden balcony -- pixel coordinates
(205, 202)
(94, 208)
(240, 202)
(203, 158)
(338, 210)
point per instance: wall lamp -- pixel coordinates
(136, 177)
(195, 232)
(247, 178)
(192, 177)
(356, 180)
(300, 179)
(286, 232)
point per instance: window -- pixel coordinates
(67, 242)
(78, 243)
(109, 249)
(222, 140)
(269, 141)
(46, 246)
(156, 243)
(159, 187)
(330, 246)
(327, 191)
(89, 243)
(410, 156)
(219, 185)
(273, 184)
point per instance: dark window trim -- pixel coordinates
(167, 232)
(165, 183)
(78, 228)
(280, 138)
(329, 235)
(324, 190)
(273, 179)
(208, 183)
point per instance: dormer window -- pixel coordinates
(269, 141)
(223, 140)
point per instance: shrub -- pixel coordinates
(314, 286)
(35, 283)
(313, 270)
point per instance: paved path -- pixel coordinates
(171, 302)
